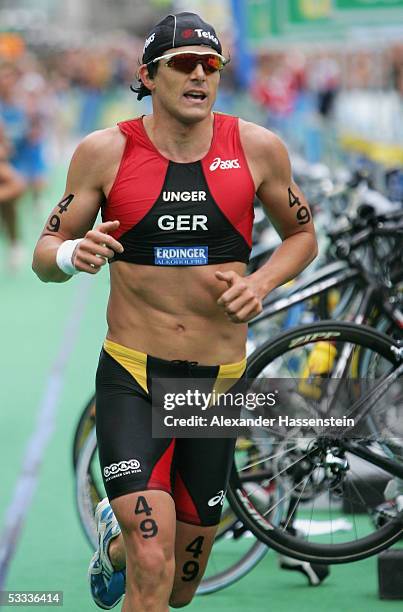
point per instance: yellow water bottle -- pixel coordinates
(319, 365)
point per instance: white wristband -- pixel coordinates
(64, 256)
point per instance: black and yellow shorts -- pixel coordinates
(194, 471)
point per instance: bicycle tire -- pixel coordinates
(84, 497)
(83, 427)
(276, 538)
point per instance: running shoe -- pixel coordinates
(383, 513)
(315, 572)
(107, 585)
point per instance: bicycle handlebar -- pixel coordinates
(344, 246)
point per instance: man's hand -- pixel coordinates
(96, 248)
(240, 301)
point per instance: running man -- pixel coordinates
(11, 183)
(12, 186)
(176, 192)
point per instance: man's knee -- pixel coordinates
(151, 563)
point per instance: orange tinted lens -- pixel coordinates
(187, 62)
(215, 62)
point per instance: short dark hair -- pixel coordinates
(141, 90)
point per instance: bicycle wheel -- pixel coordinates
(325, 485)
(232, 557)
(234, 554)
(336, 304)
(89, 487)
(84, 426)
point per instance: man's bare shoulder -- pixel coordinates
(101, 144)
(97, 157)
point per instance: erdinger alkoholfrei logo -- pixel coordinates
(181, 256)
(122, 468)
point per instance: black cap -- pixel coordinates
(179, 30)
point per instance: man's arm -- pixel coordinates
(74, 216)
(290, 214)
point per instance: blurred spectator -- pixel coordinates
(11, 187)
(275, 84)
(12, 112)
(276, 87)
(31, 161)
(396, 68)
(14, 120)
(324, 80)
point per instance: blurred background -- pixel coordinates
(327, 75)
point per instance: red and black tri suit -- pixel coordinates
(171, 214)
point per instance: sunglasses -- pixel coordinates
(187, 61)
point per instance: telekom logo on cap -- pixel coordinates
(187, 33)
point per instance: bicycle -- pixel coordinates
(360, 280)
(325, 465)
(318, 353)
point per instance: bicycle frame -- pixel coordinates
(389, 465)
(373, 296)
(299, 296)
(340, 274)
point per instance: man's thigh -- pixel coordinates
(201, 474)
(202, 468)
(131, 459)
(147, 520)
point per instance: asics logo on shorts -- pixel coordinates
(130, 466)
(217, 499)
(224, 164)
